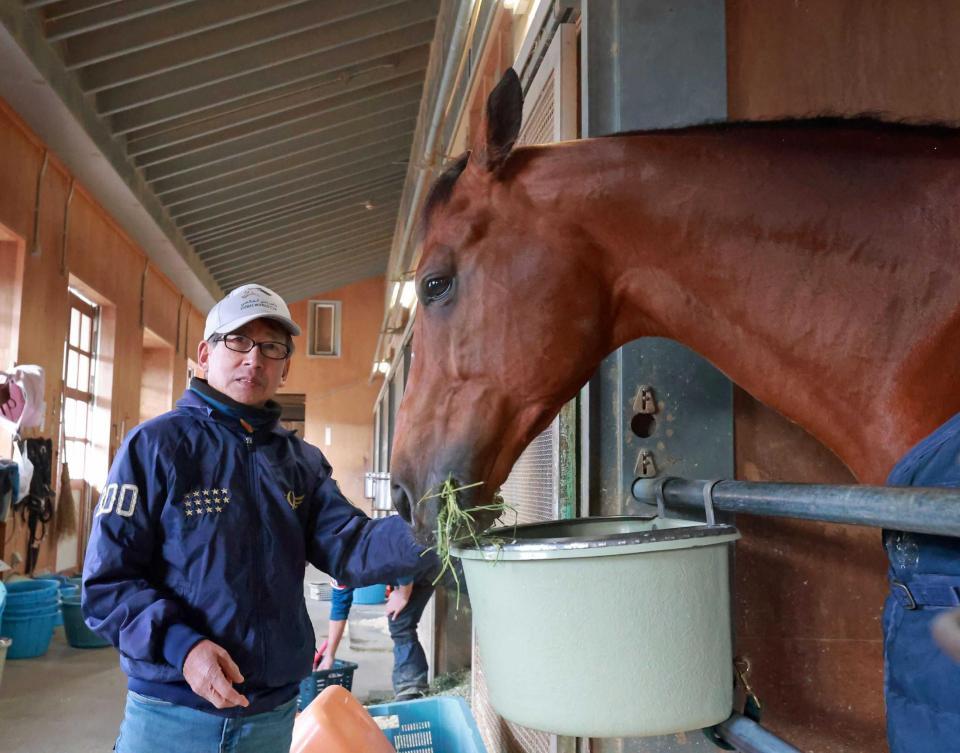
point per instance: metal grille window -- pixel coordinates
(323, 329)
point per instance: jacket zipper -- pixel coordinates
(254, 547)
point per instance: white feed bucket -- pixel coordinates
(606, 627)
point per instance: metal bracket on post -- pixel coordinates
(711, 518)
(658, 493)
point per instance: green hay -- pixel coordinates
(456, 526)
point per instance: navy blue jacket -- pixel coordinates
(922, 684)
(203, 530)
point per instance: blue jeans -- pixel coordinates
(409, 660)
(154, 726)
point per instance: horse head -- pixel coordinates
(499, 343)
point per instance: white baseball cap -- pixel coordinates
(244, 304)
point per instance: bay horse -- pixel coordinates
(813, 262)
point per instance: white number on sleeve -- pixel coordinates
(126, 504)
(107, 497)
(131, 499)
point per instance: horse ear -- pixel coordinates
(501, 122)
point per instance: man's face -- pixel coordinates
(249, 378)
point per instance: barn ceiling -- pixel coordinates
(268, 139)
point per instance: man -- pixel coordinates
(404, 609)
(196, 559)
(921, 681)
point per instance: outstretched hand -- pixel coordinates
(210, 673)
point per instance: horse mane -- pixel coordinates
(442, 188)
(867, 121)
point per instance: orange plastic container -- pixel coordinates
(335, 722)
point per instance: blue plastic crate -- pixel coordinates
(431, 725)
(311, 686)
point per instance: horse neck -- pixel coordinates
(787, 273)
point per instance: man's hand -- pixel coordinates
(210, 672)
(398, 600)
(326, 662)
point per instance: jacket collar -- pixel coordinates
(191, 401)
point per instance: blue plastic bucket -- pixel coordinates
(31, 635)
(32, 610)
(77, 632)
(370, 595)
(23, 592)
(66, 589)
(432, 725)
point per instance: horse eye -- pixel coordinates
(436, 288)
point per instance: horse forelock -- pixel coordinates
(441, 190)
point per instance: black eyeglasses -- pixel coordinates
(243, 344)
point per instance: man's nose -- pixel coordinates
(254, 357)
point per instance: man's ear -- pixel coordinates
(286, 371)
(500, 125)
(203, 354)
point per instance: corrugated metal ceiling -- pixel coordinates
(275, 133)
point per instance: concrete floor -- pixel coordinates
(71, 700)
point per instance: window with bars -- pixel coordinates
(79, 372)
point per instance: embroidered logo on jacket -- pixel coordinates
(205, 501)
(293, 500)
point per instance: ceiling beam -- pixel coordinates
(345, 213)
(266, 131)
(68, 7)
(327, 262)
(208, 44)
(49, 100)
(377, 167)
(207, 228)
(292, 249)
(351, 226)
(290, 168)
(316, 255)
(164, 26)
(245, 153)
(332, 282)
(359, 90)
(361, 193)
(348, 56)
(100, 16)
(230, 212)
(237, 66)
(281, 97)
(345, 161)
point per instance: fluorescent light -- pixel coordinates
(408, 294)
(383, 367)
(394, 294)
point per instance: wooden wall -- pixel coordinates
(810, 595)
(95, 256)
(340, 395)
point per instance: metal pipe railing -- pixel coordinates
(747, 736)
(916, 509)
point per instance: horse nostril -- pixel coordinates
(401, 501)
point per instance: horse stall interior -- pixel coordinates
(808, 595)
